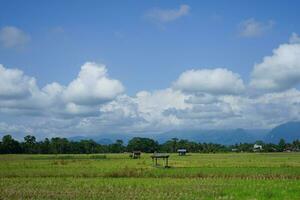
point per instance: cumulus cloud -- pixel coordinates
(279, 71)
(216, 111)
(93, 86)
(212, 81)
(167, 15)
(13, 37)
(14, 84)
(95, 103)
(19, 94)
(147, 109)
(169, 109)
(271, 109)
(253, 28)
(202, 98)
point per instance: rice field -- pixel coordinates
(116, 176)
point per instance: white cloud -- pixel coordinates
(13, 129)
(253, 28)
(167, 15)
(294, 38)
(20, 95)
(271, 109)
(53, 89)
(164, 110)
(280, 71)
(94, 103)
(73, 109)
(160, 100)
(93, 86)
(13, 37)
(212, 81)
(14, 84)
(145, 111)
(202, 98)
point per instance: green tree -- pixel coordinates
(88, 146)
(1, 148)
(30, 145)
(59, 145)
(174, 144)
(281, 145)
(167, 146)
(142, 144)
(9, 145)
(117, 147)
(44, 146)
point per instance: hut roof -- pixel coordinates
(160, 155)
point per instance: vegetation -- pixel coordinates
(87, 170)
(63, 146)
(116, 176)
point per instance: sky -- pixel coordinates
(87, 68)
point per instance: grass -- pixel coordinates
(116, 176)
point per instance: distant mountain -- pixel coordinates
(99, 140)
(289, 131)
(226, 137)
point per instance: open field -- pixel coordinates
(116, 176)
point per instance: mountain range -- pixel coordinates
(288, 131)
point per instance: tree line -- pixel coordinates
(58, 145)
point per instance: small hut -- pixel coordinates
(163, 156)
(181, 152)
(257, 147)
(136, 154)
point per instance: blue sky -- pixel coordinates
(147, 46)
(137, 51)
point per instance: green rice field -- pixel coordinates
(117, 176)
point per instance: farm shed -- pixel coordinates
(136, 154)
(157, 156)
(257, 147)
(182, 152)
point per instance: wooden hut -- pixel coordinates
(181, 152)
(163, 156)
(136, 154)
